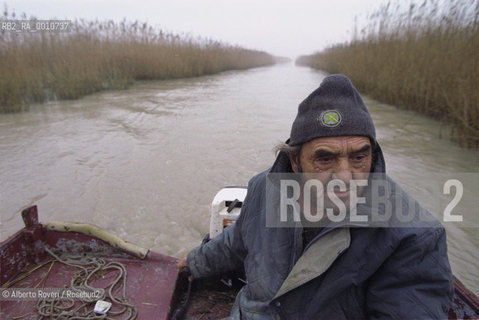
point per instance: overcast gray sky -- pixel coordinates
(280, 27)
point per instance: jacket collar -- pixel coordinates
(316, 259)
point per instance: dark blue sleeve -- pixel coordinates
(415, 282)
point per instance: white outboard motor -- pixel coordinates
(225, 208)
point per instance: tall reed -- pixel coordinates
(423, 58)
(95, 55)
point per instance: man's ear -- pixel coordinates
(294, 163)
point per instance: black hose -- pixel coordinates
(179, 313)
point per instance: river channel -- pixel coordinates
(146, 162)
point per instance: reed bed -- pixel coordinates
(37, 67)
(422, 58)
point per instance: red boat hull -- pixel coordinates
(150, 283)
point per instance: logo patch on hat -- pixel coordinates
(330, 118)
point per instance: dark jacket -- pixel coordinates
(345, 273)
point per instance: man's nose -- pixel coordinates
(343, 171)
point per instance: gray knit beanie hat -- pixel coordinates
(334, 109)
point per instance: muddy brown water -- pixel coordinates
(146, 162)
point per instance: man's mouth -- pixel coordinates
(341, 194)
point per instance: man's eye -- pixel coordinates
(325, 160)
(359, 158)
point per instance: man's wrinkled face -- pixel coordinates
(335, 158)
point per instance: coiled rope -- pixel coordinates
(65, 308)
